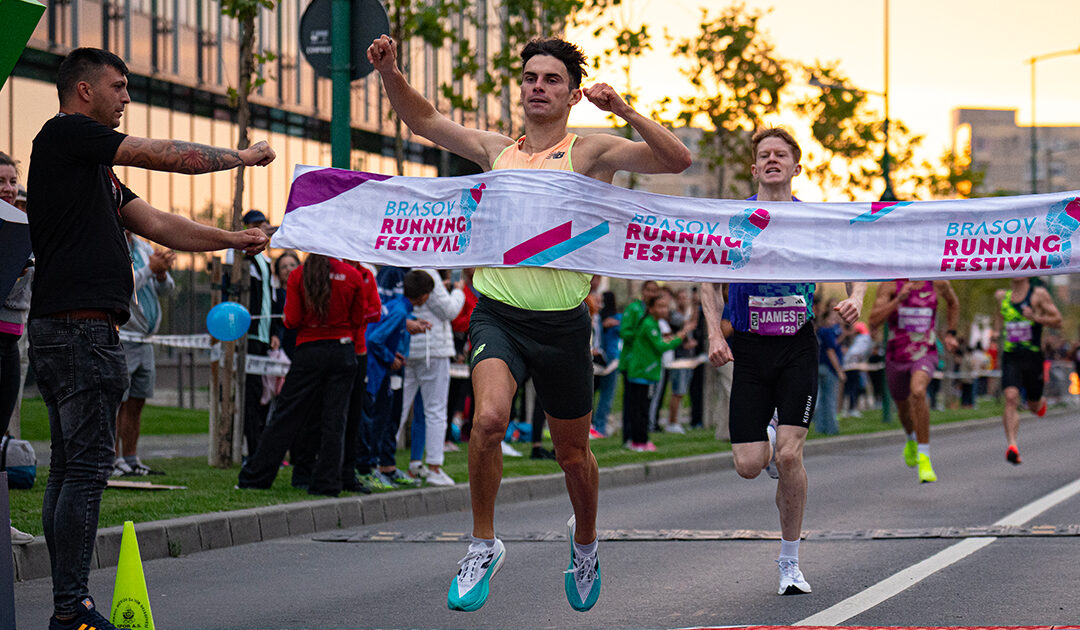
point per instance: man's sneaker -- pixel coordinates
(417, 470)
(510, 451)
(582, 577)
(911, 453)
(354, 485)
(926, 471)
(439, 478)
(595, 435)
(121, 468)
(792, 581)
(469, 588)
(643, 447)
(674, 428)
(1041, 411)
(20, 537)
(771, 468)
(1013, 455)
(399, 478)
(375, 480)
(141, 470)
(450, 447)
(87, 619)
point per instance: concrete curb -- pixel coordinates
(203, 532)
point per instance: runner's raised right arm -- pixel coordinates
(421, 117)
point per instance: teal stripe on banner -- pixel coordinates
(565, 247)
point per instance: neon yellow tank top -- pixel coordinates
(534, 288)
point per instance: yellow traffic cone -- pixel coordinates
(130, 601)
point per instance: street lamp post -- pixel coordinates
(1034, 133)
(886, 157)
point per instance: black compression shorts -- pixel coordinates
(772, 373)
(1023, 369)
(550, 346)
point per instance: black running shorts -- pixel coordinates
(1023, 369)
(550, 346)
(772, 373)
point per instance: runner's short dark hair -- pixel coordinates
(775, 132)
(417, 283)
(84, 64)
(564, 51)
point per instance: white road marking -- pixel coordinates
(899, 582)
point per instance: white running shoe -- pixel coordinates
(674, 428)
(470, 587)
(582, 578)
(439, 478)
(510, 451)
(792, 581)
(771, 468)
(20, 537)
(418, 470)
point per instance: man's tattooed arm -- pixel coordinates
(176, 156)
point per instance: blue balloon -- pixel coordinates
(228, 321)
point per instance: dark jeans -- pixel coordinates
(318, 366)
(384, 426)
(853, 388)
(9, 378)
(82, 375)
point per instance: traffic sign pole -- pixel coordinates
(340, 75)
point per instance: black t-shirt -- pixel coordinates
(73, 206)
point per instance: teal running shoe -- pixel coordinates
(469, 589)
(582, 577)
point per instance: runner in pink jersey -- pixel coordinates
(911, 356)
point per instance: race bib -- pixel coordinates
(917, 319)
(775, 316)
(1017, 332)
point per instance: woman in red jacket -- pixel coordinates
(326, 303)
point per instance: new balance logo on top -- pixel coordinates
(556, 155)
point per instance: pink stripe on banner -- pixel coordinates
(324, 184)
(878, 206)
(537, 244)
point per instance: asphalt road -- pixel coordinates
(664, 583)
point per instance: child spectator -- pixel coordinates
(644, 369)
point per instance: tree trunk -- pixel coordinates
(231, 391)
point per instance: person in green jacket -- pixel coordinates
(628, 329)
(644, 368)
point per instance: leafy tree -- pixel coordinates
(517, 22)
(737, 81)
(420, 22)
(629, 43)
(851, 135)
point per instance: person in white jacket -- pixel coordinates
(428, 370)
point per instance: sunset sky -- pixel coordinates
(943, 54)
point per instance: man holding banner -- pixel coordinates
(531, 321)
(78, 210)
(775, 352)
